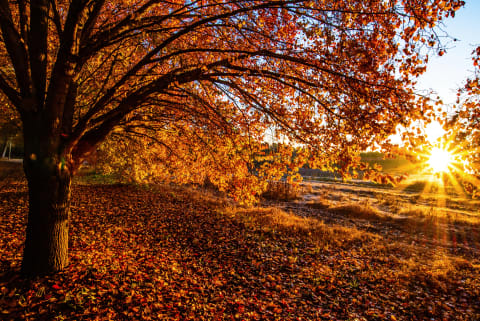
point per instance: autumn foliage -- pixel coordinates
(333, 76)
(465, 126)
(206, 79)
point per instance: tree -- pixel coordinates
(333, 76)
(464, 128)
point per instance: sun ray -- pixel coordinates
(445, 166)
(455, 184)
(441, 201)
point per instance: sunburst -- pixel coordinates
(440, 160)
(443, 165)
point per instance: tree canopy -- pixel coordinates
(464, 128)
(207, 81)
(335, 76)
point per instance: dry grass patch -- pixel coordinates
(359, 210)
(418, 215)
(425, 213)
(275, 219)
(320, 203)
(10, 170)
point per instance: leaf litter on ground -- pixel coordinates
(160, 252)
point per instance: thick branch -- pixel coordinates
(11, 93)
(93, 12)
(37, 48)
(15, 48)
(56, 19)
(22, 8)
(65, 65)
(82, 142)
(69, 109)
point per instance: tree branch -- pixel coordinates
(56, 19)
(93, 12)
(37, 48)
(16, 49)
(66, 63)
(22, 8)
(11, 93)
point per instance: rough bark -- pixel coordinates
(49, 180)
(46, 244)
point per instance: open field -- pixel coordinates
(394, 202)
(161, 252)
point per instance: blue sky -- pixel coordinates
(447, 73)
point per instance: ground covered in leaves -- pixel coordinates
(154, 253)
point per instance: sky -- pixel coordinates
(445, 74)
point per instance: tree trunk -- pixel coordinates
(46, 244)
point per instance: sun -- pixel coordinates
(444, 165)
(440, 160)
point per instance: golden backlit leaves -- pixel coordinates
(454, 157)
(225, 162)
(465, 128)
(194, 87)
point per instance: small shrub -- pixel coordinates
(282, 191)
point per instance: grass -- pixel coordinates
(273, 219)
(397, 165)
(439, 218)
(10, 169)
(360, 211)
(95, 178)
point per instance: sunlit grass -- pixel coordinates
(275, 220)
